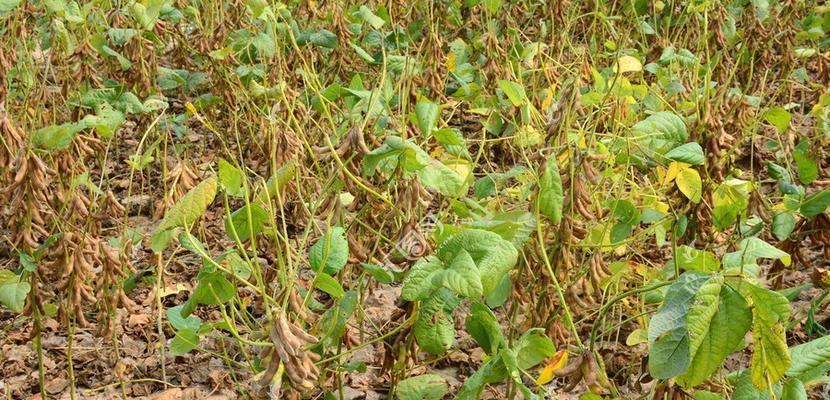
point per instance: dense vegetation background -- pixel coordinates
(418, 200)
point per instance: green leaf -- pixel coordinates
(492, 5)
(230, 178)
(7, 6)
(392, 149)
(117, 97)
(493, 255)
(714, 338)
(146, 12)
(57, 137)
(276, 183)
(169, 79)
(783, 224)
(412, 159)
(755, 247)
(419, 283)
(514, 92)
(625, 211)
(669, 355)
(808, 356)
(691, 259)
(329, 285)
(805, 163)
(486, 185)
(213, 288)
(324, 38)
(26, 261)
(499, 295)
(452, 141)
(745, 390)
(434, 329)
(511, 364)
(246, 225)
(13, 292)
(330, 253)
(174, 316)
(532, 348)
(332, 323)
(550, 197)
(492, 371)
(483, 326)
(815, 203)
(382, 274)
(259, 8)
(438, 176)
(792, 293)
(770, 360)
(761, 9)
(422, 387)
(778, 172)
(619, 232)
(707, 395)
(682, 56)
(366, 15)
(689, 153)
(426, 113)
(702, 311)
(793, 390)
(660, 132)
(192, 244)
(154, 103)
(191, 206)
(160, 239)
(106, 122)
(515, 226)
(462, 276)
(731, 200)
(668, 337)
(778, 117)
(688, 181)
(362, 53)
(184, 341)
(239, 266)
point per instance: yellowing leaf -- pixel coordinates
(555, 363)
(514, 91)
(548, 99)
(191, 206)
(628, 64)
(564, 159)
(688, 181)
(674, 168)
(660, 206)
(169, 290)
(636, 337)
(461, 167)
(661, 174)
(771, 358)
